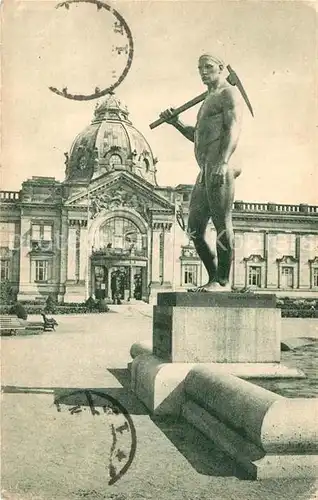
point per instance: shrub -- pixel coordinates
(102, 306)
(5, 308)
(7, 295)
(19, 311)
(50, 305)
(298, 313)
(91, 304)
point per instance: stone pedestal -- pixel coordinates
(204, 344)
(231, 333)
(216, 327)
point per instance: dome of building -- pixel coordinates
(109, 143)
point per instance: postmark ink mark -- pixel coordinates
(122, 430)
(122, 50)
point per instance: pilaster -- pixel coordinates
(161, 253)
(25, 269)
(71, 253)
(63, 252)
(238, 263)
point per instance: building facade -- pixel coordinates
(109, 224)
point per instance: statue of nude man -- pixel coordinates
(215, 138)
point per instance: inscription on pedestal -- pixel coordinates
(220, 299)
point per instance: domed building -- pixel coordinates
(109, 231)
(110, 143)
(106, 227)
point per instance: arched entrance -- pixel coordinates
(119, 259)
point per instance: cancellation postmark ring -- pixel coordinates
(120, 425)
(123, 49)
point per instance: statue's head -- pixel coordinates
(210, 68)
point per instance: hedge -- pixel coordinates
(290, 307)
(299, 313)
(60, 309)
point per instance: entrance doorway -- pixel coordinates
(126, 283)
(119, 283)
(101, 280)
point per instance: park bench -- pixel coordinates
(49, 323)
(10, 324)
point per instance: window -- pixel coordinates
(190, 274)
(47, 233)
(4, 270)
(254, 276)
(41, 237)
(185, 196)
(120, 233)
(287, 277)
(115, 160)
(315, 277)
(36, 232)
(41, 232)
(41, 270)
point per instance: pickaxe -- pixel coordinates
(232, 79)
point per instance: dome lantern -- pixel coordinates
(111, 108)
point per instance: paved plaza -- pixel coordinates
(49, 454)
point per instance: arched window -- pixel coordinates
(115, 159)
(120, 233)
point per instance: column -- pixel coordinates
(272, 268)
(77, 253)
(307, 251)
(16, 249)
(238, 262)
(144, 289)
(132, 271)
(266, 258)
(109, 291)
(83, 254)
(161, 256)
(168, 255)
(71, 253)
(178, 240)
(155, 254)
(63, 242)
(297, 255)
(25, 262)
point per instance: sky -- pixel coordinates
(271, 45)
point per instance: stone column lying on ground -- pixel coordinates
(267, 434)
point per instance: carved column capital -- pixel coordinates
(161, 226)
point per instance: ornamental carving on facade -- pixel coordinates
(287, 259)
(117, 199)
(254, 258)
(188, 251)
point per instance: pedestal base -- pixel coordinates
(159, 385)
(216, 327)
(266, 434)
